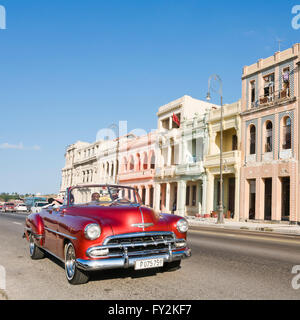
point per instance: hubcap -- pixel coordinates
(70, 261)
(31, 246)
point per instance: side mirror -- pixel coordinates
(63, 211)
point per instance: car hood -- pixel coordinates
(125, 219)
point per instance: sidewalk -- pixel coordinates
(249, 226)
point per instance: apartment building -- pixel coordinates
(270, 138)
(231, 125)
(182, 142)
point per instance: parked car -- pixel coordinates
(104, 227)
(9, 207)
(21, 207)
(1, 206)
(38, 206)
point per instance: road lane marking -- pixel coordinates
(18, 223)
(253, 237)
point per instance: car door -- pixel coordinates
(50, 224)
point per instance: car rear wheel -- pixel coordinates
(172, 266)
(73, 274)
(35, 252)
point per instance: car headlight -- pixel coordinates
(92, 231)
(182, 226)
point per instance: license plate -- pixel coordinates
(147, 264)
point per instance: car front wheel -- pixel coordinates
(35, 252)
(74, 275)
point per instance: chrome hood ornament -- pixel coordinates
(142, 225)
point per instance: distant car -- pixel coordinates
(38, 206)
(1, 206)
(9, 207)
(105, 227)
(21, 207)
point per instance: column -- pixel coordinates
(199, 196)
(163, 197)
(237, 195)
(181, 195)
(157, 188)
(210, 193)
(170, 123)
(114, 171)
(147, 195)
(167, 195)
(169, 155)
(260, 199)
(276, 198)
(204, 195)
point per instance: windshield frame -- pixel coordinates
(109, 186)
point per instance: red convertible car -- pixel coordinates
(104, 227)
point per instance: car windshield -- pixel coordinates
(104, 195)
(41, 204)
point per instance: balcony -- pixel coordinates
(136, 175)
(165, 172)
(192, 168)
(229, 158)
(81, 161)
(275, 98)
(229, 110)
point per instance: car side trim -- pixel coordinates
(61, 234)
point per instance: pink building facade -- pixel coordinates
(137, 165)
(269, 185)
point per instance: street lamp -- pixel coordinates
(116, 127)
(215, 77)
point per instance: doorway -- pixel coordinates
(231, 196)
(268, 199)
(252, 198)
(285, 199)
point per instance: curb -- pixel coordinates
(245, 228)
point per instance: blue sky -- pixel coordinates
(70, 68)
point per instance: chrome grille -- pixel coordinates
(140, 244)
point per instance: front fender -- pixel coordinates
(171, 220)
(35, 224)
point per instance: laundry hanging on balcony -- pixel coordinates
(286, 77)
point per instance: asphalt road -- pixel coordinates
(224, 265)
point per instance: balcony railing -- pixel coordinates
(272, 99)
(148, 173)
(230, 157)
(166, 171)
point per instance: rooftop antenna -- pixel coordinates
(279, 44)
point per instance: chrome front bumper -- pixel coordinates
(129, 261)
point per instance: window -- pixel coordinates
(253, 96)
(165, 123)
(145, 162)
(131, 163)
(152, 164)
(194, 149)
(187, 199)
(269, 137)
(269, 87)
(287, 131)
(285, 92)
(234, 142)
(194, 194)
(252, 140)
(124, 166)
